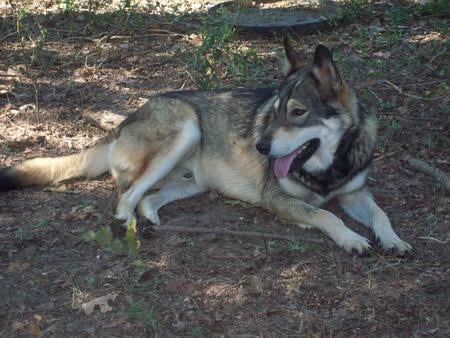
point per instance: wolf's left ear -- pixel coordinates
(293, 60)
(325, 70)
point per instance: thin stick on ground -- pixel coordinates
(217, 231)
(424, 167)
(427, 238)
(402, 92)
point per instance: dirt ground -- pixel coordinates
(200, 285)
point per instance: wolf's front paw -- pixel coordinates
(350, 241)
(393, 243)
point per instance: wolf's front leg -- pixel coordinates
(361, 206)
(296, 211)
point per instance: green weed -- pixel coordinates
(68, 6)
(354, 10)
(104, 238)
(220, 57)
(22, 235)
(142, 313)
(42, 224)
(197, 332)
(399, 15)
(434, 7)
(389, 128)
(362, 40)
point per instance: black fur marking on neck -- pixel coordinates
(343, 169)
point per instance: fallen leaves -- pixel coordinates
(102, 302)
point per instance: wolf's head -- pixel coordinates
(311, 112)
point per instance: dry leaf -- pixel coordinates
(102, 302)
(385, 55)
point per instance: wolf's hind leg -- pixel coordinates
(172, 191)
(360, 206)
(158, 167)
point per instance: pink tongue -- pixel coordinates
(283, 164)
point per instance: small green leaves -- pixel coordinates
(116, 247)
(89, 235)
(42, 224)
(104, 238)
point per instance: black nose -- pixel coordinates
(263, 147)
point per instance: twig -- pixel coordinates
(435, 239)
(401, 92)
(375, 95)
(382, 157)
(402, 116)
(438, 55)
(424, 167)
(36, 100)
(217, 231)
(158, 32)
(8, 35)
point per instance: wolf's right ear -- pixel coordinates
(293, 61)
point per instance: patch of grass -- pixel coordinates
(42, 224)
(399, 15)
(22, 234)
(197, 332)
(91, 280)
(353, 10)
(68, 6)
(389, 105)
(338, 55)
(380, 64)
(362, 40)
(301, 247)
(434, 7)
(390, 38)
(142, 313)
(388, 128)
(220, 59)
(298, 246)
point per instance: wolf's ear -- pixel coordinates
(325, 70)
(293, 60)
(329, 82)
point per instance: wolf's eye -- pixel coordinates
(298, 112)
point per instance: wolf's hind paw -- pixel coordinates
(149, 211)
(152, 216)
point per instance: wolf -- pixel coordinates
(289, 149)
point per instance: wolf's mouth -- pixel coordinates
(295, 160)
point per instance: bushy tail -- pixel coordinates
(91, 162)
